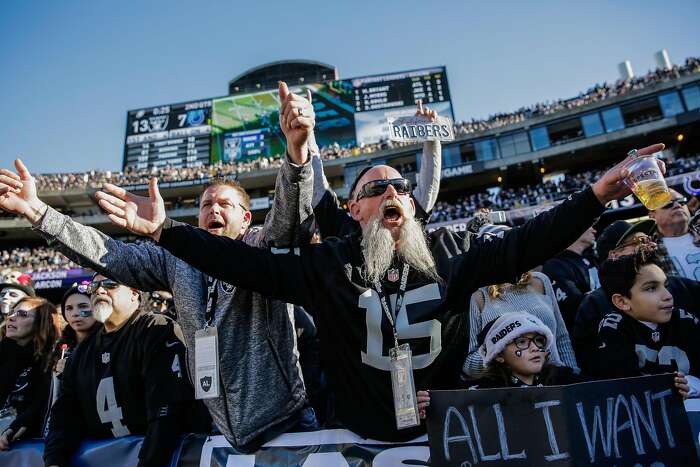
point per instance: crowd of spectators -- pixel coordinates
(31, 260)
(45, 259)
(596, 93)
(132, 176)
(504, 199)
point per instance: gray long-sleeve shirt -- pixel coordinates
(260, 375)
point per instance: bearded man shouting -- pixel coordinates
(382, 286)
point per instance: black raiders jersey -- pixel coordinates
(116, 383)
(628, 347)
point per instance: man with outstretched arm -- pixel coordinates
(340, 282)
(262, 393)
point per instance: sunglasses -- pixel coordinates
(635, 241)
(107, 284)
(21, 313)
(523, 342)
(378, 187)
(680, 201)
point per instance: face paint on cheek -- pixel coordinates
(518, 353)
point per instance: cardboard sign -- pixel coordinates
(418, 129)
(623, 422)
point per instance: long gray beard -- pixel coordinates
(378, 249)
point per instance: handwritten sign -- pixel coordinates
(418, 128)
(623, 422)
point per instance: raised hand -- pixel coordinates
(297, 120)
(421, 111)
(612, 184)
(18, 193)
(141, 215)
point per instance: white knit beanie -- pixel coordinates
(505, 329)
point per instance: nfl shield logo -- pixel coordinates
(205, 383)
(105, 357)
(656, 336)
(392, 275)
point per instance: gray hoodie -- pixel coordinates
(259, 369)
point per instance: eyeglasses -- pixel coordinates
(523, 342)
(378, 187)
(680, 201)
(108, 284)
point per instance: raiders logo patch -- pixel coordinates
(205, 383)
(227, 288)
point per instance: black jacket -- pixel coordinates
(326, 279)
(572, 276)
(551, 375)
(594, 306)
(25, 386)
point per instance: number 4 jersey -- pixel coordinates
(129, 381)
(628, 347)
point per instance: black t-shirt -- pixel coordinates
(627, 347)
(120, 383)
(355, 335)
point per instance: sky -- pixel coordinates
(70, 70)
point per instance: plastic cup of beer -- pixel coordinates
(647, 182)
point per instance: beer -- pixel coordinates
(652, 193)
(647, 182)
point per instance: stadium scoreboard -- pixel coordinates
(169, 135)
(349, 112)
(400, 89)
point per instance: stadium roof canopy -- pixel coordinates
(265, 77)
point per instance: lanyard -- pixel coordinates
(399, 301)
(211, 299)
(212, 295)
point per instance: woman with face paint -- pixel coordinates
(26, 360)
(77, 311)
(515, 348)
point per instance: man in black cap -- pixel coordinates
(621, 239)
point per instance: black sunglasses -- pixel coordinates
(378, 187)
(681, 202)
(108, 284)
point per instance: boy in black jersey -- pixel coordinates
(648, 335)
(125, 379)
